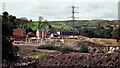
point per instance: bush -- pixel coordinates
(66, 49)
(62, 49)
(9, 52)
(49, 47)
(84, 48)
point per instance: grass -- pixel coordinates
(38, 56)
(108, 42)
(69, 42)
(66, 27)
(34, 25)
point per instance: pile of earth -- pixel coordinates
(73, 59)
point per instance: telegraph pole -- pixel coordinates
(73, 14)
(40, 19)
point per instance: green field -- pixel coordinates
(34, 26)
(66, 27)
(38, 56)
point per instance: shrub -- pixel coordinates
(84, 48)
(9, 52)
(49, 47)
(62, 49)
(66, 49)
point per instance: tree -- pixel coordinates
(9, 52)
(39, 22)
(6, 26)
(99, 33)
(107, 33)
(116, 34)
(87, 32)
(23, 22)
(43, 24)
(12, 20)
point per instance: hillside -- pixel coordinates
(68, 24)
(87, 22)
(34, 26)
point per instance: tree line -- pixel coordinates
(113, 33)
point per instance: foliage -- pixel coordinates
(84, 48)
(96, 32)
(62, 49)
(107, 33)
(49, 47)
(33, 25)
(23, 23)
(8, 24)
(9, 52)
(66, 49)
(87, 32)
(54, 27)
(44, 24)
(12, 20)
(6, 29)
(116, 33)
(99, 33)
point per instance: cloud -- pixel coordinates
(60, 0)
(60, 10)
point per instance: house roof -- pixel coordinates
(30, 33)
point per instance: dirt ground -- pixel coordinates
(56, 58)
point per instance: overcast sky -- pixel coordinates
(61, 10)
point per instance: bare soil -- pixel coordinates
(57, 58)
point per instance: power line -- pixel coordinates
(73, 14)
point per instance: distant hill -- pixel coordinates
(95, 22)
(68, 23)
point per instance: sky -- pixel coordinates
(61, 9)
